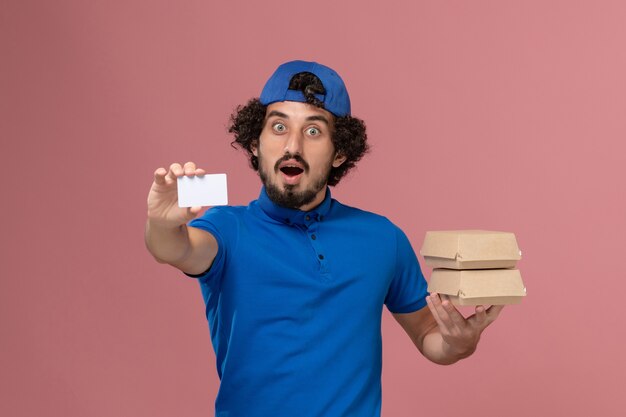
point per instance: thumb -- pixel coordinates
(192, 212)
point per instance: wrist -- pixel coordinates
(163, 224)
(167, 242)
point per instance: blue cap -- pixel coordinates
(336, 99)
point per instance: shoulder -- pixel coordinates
(347, 213)
(225, 211)
(378, 226)
(219, 217)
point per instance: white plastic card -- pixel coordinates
(202, 191)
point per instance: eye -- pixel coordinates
(279, 127)
(313, 131)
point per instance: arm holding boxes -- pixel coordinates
(441, 333)
(471, 267)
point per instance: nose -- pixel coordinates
(293, 145)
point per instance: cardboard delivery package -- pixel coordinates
(470, 249)
(479, 286)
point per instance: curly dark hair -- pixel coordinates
(349, 135)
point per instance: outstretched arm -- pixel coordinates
(167, 236)
(441, 333)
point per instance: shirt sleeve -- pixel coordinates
(215, 222)
(408, 289)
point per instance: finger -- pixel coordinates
(438, 303)
(493, 312)
(481, 315)
(175, 171)
(159, 175)
(455, 316)
(200, 171)
(433, 310)
(194, 211)
(190, 168)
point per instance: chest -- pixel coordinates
(296, 273)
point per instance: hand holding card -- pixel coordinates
(202, 190)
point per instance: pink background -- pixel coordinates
(504, 115)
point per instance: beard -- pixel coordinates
(290, 197)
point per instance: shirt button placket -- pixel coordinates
(313, 233)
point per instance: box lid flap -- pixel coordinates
(508, 283)
(477, 283)
(471, 245)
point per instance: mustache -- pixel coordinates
(295, 157)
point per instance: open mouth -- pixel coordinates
(291, 171)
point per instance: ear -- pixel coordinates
(339, 159)
(255, 148)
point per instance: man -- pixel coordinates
(294, 283)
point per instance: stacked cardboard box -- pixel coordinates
(474, 267)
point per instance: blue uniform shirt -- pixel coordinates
(294, 302)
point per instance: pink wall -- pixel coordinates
(501, 115)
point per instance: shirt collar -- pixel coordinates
(294, 216)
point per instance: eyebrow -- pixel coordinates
(319, 118)
(277, 114)
(308, 119)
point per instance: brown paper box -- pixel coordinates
(470, 249)
(479, 286)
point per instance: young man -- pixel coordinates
(294, 283)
